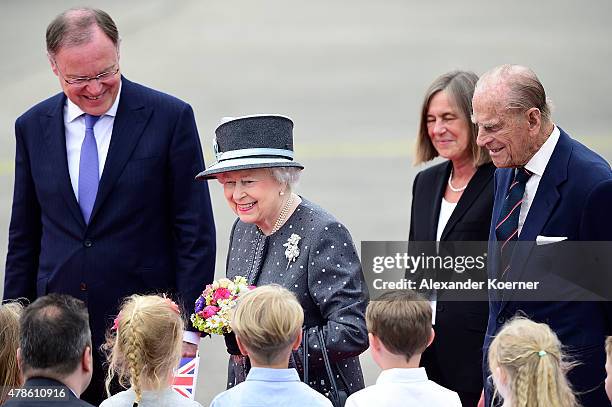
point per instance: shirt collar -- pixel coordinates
(403, 375)
(75, 112)
(265, 374)
(540, 159)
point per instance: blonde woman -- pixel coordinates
(10, 376)
(144, 349)
(528, 366)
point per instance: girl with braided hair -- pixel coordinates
(144, 348)
(529, 367)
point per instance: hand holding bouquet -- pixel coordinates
(213, 307)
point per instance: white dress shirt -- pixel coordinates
(446, 210)
(74, 123)
(537, 165)
(404, 387)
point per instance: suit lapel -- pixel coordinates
(54, 135)
(130, 122)
(437, 191)
(472, 192)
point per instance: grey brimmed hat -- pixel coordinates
(258, 141)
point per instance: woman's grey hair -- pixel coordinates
(289, 176)
(525, 90)
(75, 27)
(459, 86)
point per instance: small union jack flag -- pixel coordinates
(185, 378)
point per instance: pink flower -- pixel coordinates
(209, 311)
(221, 294)
(172, 305)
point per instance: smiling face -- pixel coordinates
(97, 56)
(448, 130)
(253, 195)
(507, 134)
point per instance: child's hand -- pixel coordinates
(189, 350)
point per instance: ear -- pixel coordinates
(243, 349)
(374, 342)
(19, 359)
(53, 65)
(534, 118)
(501, 375)
(431, 337)
(298, 341)
(87, 360)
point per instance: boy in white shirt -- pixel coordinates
(268, 326)
(399, 326)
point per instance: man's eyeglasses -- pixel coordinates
(83, 80)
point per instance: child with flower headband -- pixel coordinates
(144, 349)
(529, 367)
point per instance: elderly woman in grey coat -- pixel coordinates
(283, 238)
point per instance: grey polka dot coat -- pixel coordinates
(328, 281)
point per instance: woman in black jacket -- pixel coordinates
(453, 201)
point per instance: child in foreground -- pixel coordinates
(268, 326)
(399, 329)
(528, 366)
(144, 351)
(10, 376)
(609, 367)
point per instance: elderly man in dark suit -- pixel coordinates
(546, 191)
(54, 353)
(105, 204)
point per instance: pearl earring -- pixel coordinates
(281, 193)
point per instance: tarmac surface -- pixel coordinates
(350, 73)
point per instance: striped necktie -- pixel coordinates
(88, 169)
(506, 229)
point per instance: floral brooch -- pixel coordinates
(293, 251)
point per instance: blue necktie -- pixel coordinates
(506, 229)
(88, 169)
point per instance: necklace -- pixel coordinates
(451, 185)
(283, 214)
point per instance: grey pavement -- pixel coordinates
(350, 73)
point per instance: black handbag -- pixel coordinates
(336, 396)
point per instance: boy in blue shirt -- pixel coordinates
(268, 326)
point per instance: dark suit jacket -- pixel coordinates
(564, 205)
(151, 228)
(454, 358)
(44, 383)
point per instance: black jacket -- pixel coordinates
(454, 360)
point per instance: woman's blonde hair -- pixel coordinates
(531, 356)
(9, 339)
(268, 320)
(146, 345)
(459, 87)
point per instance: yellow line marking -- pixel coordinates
(6, 167)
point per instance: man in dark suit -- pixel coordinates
(543, 194)
(54, 353)
(105, 203)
